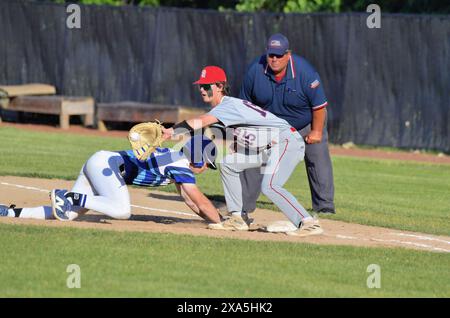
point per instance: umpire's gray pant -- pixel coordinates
(318, 168)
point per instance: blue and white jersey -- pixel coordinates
(162, 167)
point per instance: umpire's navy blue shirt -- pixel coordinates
(294, 98)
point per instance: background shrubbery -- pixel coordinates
(286, 6)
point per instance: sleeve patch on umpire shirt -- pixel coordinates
(315, 84)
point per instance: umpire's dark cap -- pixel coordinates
(277, 44)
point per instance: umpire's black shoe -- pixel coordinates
(327, 211)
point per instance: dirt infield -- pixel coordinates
(155, 211)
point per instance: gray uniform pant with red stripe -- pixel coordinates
(318, 168)
(277, 165)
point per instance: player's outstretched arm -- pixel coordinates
(189, 126)
(205, 208)
(202, 121)
(187, 199)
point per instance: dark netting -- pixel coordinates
(385, 86)
(394, 89)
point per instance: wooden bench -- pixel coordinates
(27, 89)
(64, 106)
(9, 91)
(141, 112)
(41, 98)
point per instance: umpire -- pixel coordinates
(289, 87)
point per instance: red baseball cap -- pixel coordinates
(211, 75)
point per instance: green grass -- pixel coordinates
(396, 194)
(128, 264)
(49, 155)
(404, 150)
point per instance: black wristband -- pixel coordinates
(184, 126)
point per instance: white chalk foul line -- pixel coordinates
(135, 206)
(413, 243)
(345, 237)
(421, 237)
(393, 241)
(165, 211)
(24, 187)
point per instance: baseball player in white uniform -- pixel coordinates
(262, 140)
(102, 183)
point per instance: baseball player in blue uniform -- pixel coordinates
(289, 87)
(262, 139)
(102, 183)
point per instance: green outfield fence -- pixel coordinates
(386, 87)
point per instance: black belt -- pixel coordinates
(248, 151)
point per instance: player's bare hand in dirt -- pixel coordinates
(314, 137)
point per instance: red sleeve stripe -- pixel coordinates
(320, 106)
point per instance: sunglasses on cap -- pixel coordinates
(275, 55)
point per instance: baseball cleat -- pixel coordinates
(216, 226)
(234, 223)
(256, 227)
(61, 206)
(307, 227)
(327, 211)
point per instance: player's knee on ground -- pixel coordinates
(123, 212)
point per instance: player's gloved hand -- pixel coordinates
(144, 138)
(314, 137)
